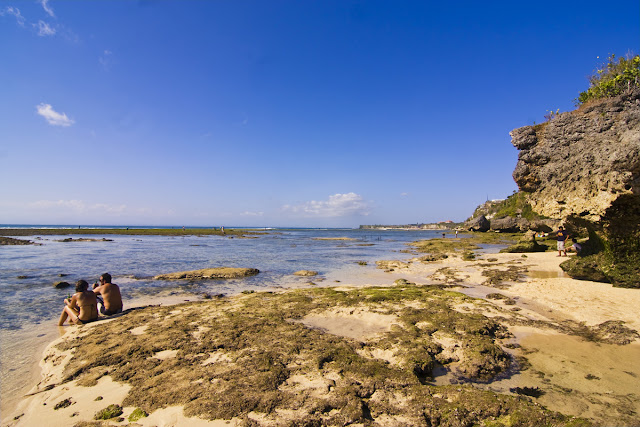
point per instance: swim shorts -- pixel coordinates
(109, 312)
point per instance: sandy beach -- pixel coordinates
(574, 342)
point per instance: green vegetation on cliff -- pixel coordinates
(516, 205)
(618, 76)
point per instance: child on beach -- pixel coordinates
(82, 307)
(562, 237)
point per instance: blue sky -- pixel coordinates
(282, 113)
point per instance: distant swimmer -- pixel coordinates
(110, 298)
(82, 307)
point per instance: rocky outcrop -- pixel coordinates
(480, 223)
(210, 273)
(584, 167)
(509, 224)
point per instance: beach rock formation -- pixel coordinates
(210, 273)
(10, 241)
(583, 167)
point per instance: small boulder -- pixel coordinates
(305, 273)
(391, 264)
(61, 285)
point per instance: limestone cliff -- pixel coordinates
(583, 166)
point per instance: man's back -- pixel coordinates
(111, 294)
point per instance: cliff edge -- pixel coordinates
(583, 166)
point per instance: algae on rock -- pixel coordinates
(254, 354)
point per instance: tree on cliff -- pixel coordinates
(618, 76)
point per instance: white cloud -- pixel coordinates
(404, 194)
(44, 29)
(247, 213)
(53, 117)
(338, 205)
(78, 206)
(47, 8)
(14, 11)
(106, 59)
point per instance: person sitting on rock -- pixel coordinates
(576, 247)
(110, 299)
(82, 307)
(562, 237)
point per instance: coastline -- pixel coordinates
(544, 313)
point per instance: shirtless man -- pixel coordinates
(82, 307)
(110, 300)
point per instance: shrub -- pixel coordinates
(618, 76)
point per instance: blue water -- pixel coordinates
(29, 307)
(134, 260)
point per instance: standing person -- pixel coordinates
(110, 299)
(82, 307)
(562, 237)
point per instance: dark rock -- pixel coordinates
(585, 269)
(527, 391)
(61, 285)
(12, 241)
(479, 223)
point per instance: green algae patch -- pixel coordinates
(439, 247)
(262, 353)
(109, 412)
(523, 247)
(137, 414)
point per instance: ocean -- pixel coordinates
(30, 305)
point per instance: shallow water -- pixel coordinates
(579, 377)
(539, 274)
(29, 307)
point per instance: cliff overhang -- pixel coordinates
(583, 167)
